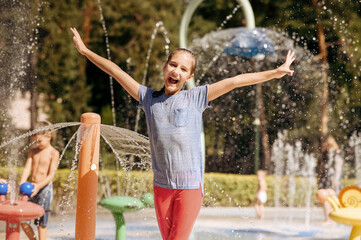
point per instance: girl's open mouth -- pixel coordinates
(172, 80)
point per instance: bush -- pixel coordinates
(219, 189)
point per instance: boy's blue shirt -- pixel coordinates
(174, 127)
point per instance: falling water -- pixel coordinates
(66, 201)
(278, 156)
(102, 20)
(229, 17)
(355, 143)
(125, 142)
(218, 49)
(334, 171)
(53, 127)
(291, 170)
(309, 182)
(158, 27)
(19, 37)
(291, 161)
(13, 154)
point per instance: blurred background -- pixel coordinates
(43, 77)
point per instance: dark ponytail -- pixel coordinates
(159, 92)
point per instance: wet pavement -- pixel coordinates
(212, 224)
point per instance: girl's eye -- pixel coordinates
(184, 70)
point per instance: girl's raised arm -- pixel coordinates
(222, 87)
(127, 82)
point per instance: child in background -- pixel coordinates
(261, 195)
(40, 167)
(174, 121)
(330, 173)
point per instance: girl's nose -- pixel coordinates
(175, 73)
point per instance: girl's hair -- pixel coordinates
(194, 65)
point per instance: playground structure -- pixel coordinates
(89, 165)
(20, 210)
(186, 18)
(88, 168)
(347, 208)
(121, 204)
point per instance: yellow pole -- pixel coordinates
(87, 177)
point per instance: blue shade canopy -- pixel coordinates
(248, 43)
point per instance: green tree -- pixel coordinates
(130, 25)
(61, 71)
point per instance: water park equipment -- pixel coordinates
(186, 18)
(88, 169)
(20, 210)
(121, 204)
(347, 207)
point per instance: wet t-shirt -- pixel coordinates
(174, 128)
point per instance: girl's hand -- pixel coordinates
(285, 67)
(78, 42)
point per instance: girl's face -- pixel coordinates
(177, 71)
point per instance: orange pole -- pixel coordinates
(87, 177)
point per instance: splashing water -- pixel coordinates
(54, 128)
(290, 161)
(102, 20)
(125, 142)
(216, 54)
(158, 27)
(355, 143)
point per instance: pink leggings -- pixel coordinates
(177, 211)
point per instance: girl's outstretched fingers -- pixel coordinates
(78, 42)
(290, 57)
(289, 60)
(285, 67)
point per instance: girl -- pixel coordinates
(174, 120)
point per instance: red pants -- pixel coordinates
(177, 211)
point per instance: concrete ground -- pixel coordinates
(212, 224)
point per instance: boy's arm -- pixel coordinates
(222, 87)
(52, 168)
(127, 82)
(27, 168)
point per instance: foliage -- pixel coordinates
(71, 85)
(300, 20)
(341, 21)
(60, 69)
(130, 25)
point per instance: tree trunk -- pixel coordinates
(34, 95)
(263, 145)
(322, 172)
(266, 160)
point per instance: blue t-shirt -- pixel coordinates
(174, 128)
